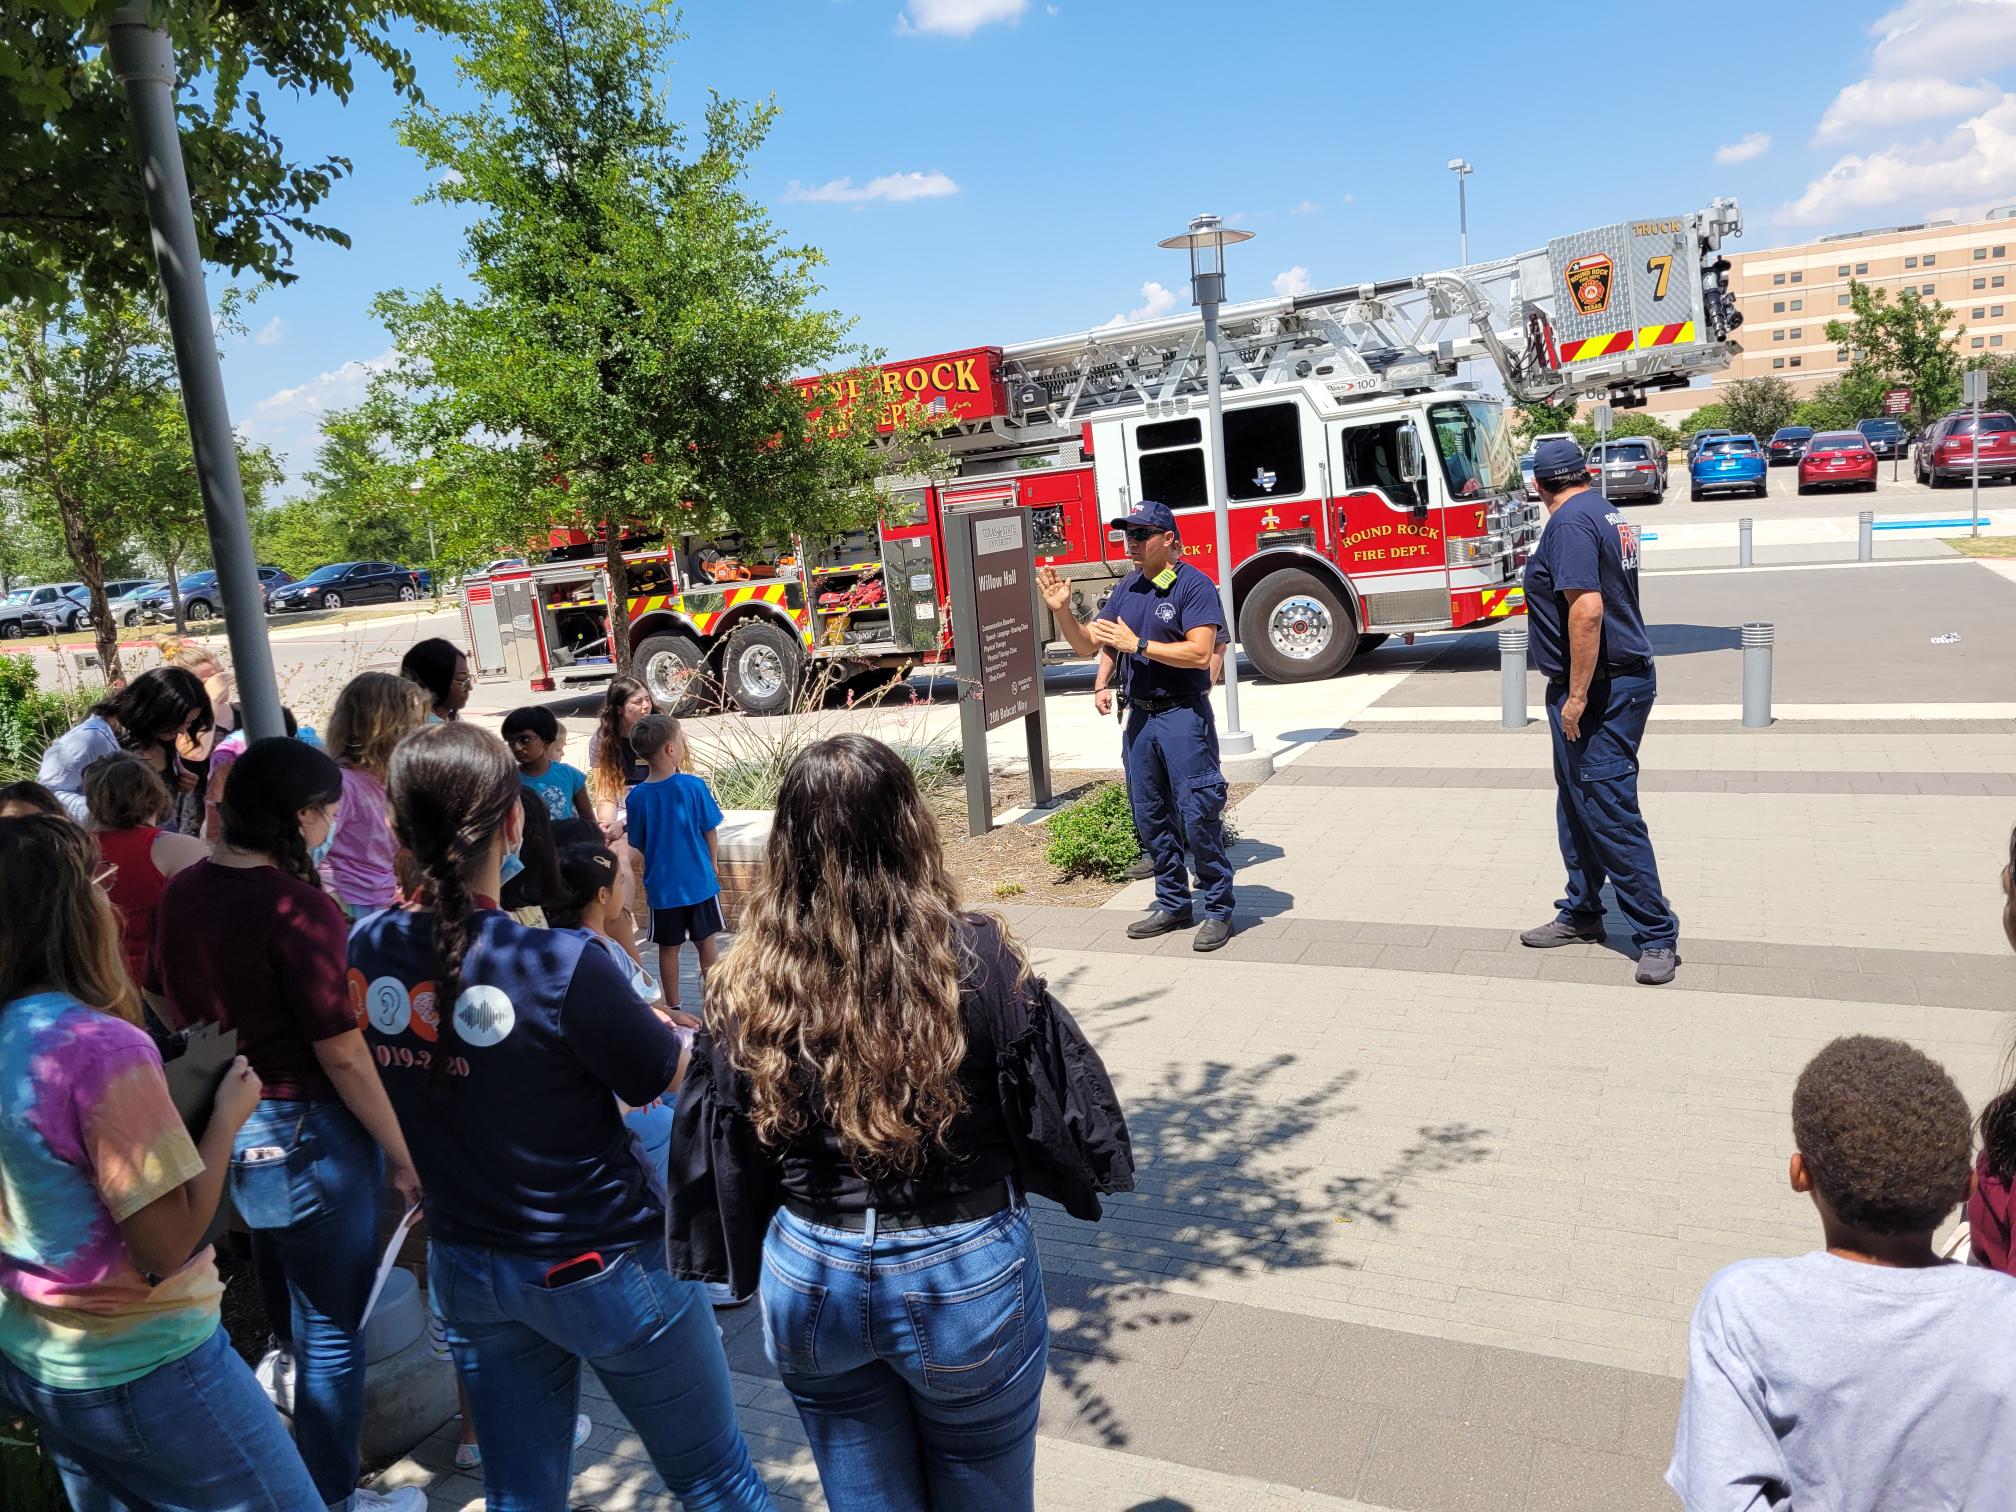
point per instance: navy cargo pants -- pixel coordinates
(1596, 810)
(1176, 791)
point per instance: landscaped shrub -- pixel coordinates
(32, 716)
(1094, 837)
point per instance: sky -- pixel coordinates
(979, 172)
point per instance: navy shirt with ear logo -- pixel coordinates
(1163, 614)
(519, 1145)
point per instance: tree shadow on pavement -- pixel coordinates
(1228, 1186)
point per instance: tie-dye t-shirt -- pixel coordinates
(89, 1137)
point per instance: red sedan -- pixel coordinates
(1838, 459)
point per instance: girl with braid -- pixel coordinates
(249, 940)
(504, 1050)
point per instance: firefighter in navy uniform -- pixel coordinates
(1588, 639)
(1158, 630)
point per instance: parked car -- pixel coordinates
(1887, 438)
(1946, 453)
(202, 597)
(1838, 459)
(342, 583)
(1701, 438)
(41, 608)
(1728, 463)
(124, 607)
(1631, 467)
(1787, 444)
(71, 608)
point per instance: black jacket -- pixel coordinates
(1056, 1099)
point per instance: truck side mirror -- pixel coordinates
(1411, 468)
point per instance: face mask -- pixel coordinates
(320, 853)
(512, 864)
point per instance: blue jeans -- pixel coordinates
(1177, 793)
(1596, 810)
(194, 1435)
(317, 1210)
(915, 1358)
(518, 1346)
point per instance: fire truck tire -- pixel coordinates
(1295, 627)
(761, 667)
(673, 669)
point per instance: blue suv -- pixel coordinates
(1731, 464)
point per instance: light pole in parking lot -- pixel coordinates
(1206, 241)
(1462, 168)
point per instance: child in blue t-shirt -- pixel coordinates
(533, 735)
(670, 821)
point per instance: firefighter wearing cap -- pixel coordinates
(1157, 631)
(1588, 638)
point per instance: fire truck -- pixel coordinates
(1373, 491)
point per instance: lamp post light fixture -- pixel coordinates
(1206, 241)
(1462, 169)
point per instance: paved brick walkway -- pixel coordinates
(1422, 1215)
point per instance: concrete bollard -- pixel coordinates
(1744, 556)
(1757, 637)
(1512, 674)
(1865, 546)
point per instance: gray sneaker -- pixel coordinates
(1656, 967)
(1561, 932)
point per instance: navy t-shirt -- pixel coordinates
(1587, 544)
(521, 1146)
(1163, 614)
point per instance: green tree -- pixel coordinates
(2001, 373)
(1537, 418)
(637, 320)
(72, 210)
(1759, 406)
(1902, 343)
(1713, 416)
(359, 505)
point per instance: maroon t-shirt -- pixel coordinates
(256, 950)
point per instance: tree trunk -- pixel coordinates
(619, 590)
(82, 543)
(173, 562)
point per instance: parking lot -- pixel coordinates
(1903, 497)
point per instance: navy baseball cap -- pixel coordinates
(1147, 515)
(1559, 461)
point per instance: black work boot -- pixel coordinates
(1212, 934)
(1561, 932)
(1157, 923)
(1141, 870)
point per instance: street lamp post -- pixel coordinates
(1462, 169)
(416, 488)
(1206, 241)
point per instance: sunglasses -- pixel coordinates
(1140, 535)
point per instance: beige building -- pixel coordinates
(1788, 294)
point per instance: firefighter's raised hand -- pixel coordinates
(1055, 588)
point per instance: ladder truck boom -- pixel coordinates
(1616, 311)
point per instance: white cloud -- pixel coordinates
(1155, 300)
(895, 188)
(1751, 145)
(290, 419)
(1975, 161)
(269, 334)
(957, 18)
(1309, 207)
(1051, 10)
(1875, 104)
(1294, 281)
(1934, 39)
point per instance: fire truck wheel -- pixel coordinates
(1296, 627)
(761, 667)
(674, 669)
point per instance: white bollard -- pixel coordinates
(1512, 674)
(1757, 637)
(1865, 549)
(1744, 556)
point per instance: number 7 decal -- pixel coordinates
(1663, 266)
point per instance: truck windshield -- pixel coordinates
(1477, 458)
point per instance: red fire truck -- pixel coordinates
(1372, 491)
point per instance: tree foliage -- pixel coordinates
(629, 351)
(2001, 373)
(1709, 417)
(73, 214)
(1629, 422)
(359, 505)
(1905, 342)
(1758, 406)
(1537, 418)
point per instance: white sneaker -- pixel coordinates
(275, 1375)
(470, 1456)
(722, 1295)
(405, 1499)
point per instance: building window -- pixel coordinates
(1931, 259)
(1778, 308)
(1980, 254)
(1976, 342)
(1795, 362)
(1842, 271)
(1925, 289)
(1861, 267)
(1994, 341)
(1980, 312)
(1777, 362)
(1996, 282)
(1980, 283)
(1910, 262)
(1996, 311)
(1798, 304)
(1840, 354)
(1777, 278)
(1777, 335)
(2001, 251)
(1797, 332)
(1798, 278)
(1841, 299)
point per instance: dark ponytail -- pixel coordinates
(270, 784)
(452, 787)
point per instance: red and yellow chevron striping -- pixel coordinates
(1624, 341)
(729, 598)
(1499, 602)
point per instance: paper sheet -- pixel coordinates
(390, 1257)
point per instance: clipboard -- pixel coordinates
(193, 1079)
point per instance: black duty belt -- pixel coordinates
(1162, 705)
(1636, 668)
(968, 1207)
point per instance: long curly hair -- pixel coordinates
(1998, 1119)
(453, 787)
(270, 784)
(606, 777)
(58, 928)
(840, 998)
(373, 713)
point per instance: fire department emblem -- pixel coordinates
(1589, 280)
(1270, 521)
(1265, 478)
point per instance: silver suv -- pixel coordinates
(37, 610)
(1630, 467)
